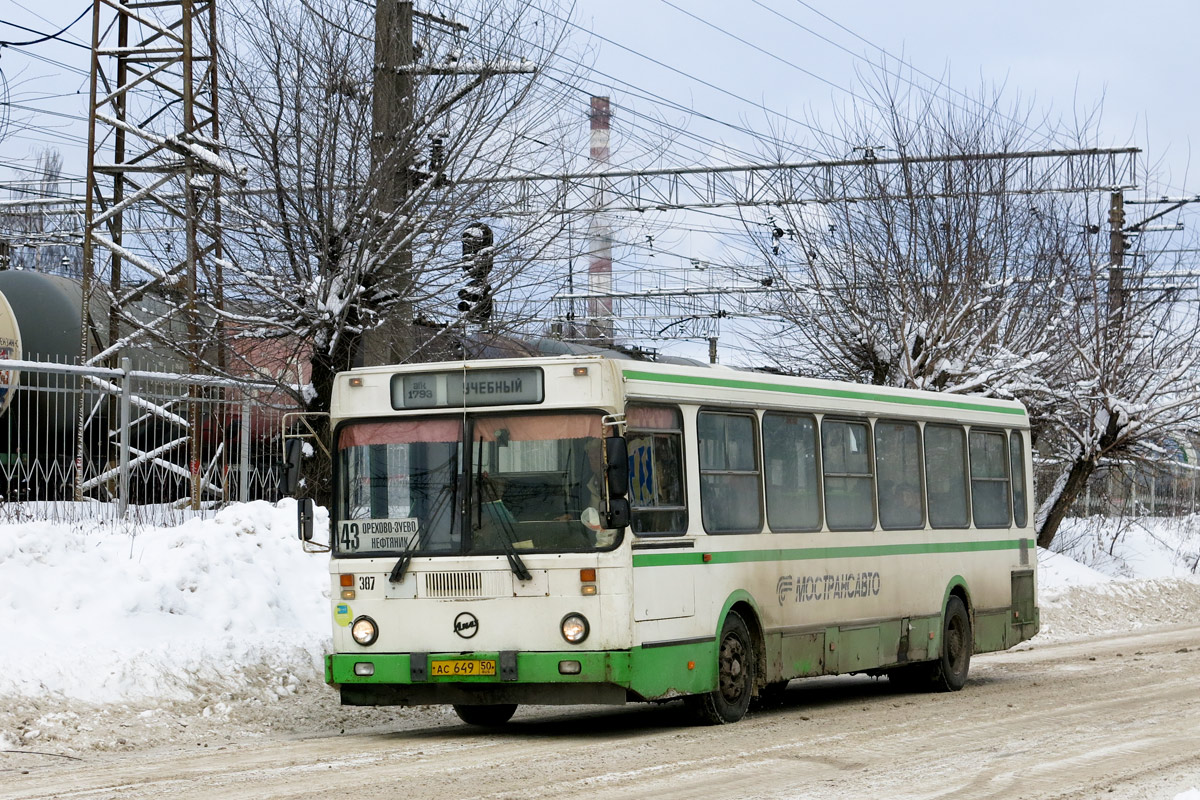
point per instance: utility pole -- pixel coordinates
(1116, 257)
(392, 151)
(394, 161)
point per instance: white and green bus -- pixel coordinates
(585, 529)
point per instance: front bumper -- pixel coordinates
(612, 676)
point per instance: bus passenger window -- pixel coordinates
(790, 471)
(898, 467)
(1016, 451)
(989, 479)
(655, 442)
(946, 476)
(849, 482)
(729, 478)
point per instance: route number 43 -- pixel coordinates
(350, 536)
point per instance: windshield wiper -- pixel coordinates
(508, 536)
(414, 544)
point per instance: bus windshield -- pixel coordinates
(470, 485)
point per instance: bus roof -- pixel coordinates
(699, 380)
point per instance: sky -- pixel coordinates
(722, 79)
(1056, 54)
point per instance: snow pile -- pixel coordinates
(1143, 547)
(1107, 576)
(103, 613)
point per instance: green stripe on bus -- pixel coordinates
(816, 391)
(820, 553)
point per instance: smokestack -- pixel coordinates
(600, 324)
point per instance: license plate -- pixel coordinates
(460, 667)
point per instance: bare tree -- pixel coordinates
(341, 240)
(947, 267)
(37, 238)
(1129, 389)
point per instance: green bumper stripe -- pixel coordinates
(595, 667)
(817, 391)
(664, 671)
(820, 553)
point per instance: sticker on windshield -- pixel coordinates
(376, 534)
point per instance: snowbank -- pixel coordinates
(105, 613)
(1107, 576)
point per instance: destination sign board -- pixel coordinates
(475, 387)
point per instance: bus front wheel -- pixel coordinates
(736, 672)
(486, 716)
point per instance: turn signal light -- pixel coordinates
(346, 580)
(587, 575)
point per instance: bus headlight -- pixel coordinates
(575, 628)
(365, 631)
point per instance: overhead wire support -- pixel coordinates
(153, 153)
(697, 311)
(818, 182)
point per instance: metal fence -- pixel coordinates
(149, 441)
(139, 426)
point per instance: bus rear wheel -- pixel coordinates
(949, 672)
(736, 673)
(486, 716)
(957, 643)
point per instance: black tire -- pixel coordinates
(486, 716)
(957, 644)
(737, 670)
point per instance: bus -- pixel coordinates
(593, 530)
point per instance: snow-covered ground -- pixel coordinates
(124, 636)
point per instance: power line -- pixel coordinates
(701, 81)
(767, 53)
(45, 37)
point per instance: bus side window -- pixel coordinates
(989, 479)
(790, 472)
(898, 467)
(946, 476)
(1016, 454)
(655, 442)
(730, 489)
(849, 479)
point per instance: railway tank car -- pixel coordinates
(40, 321)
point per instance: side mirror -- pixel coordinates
(617, 458)
(304, 518)
(618, 513)
(293, 451)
